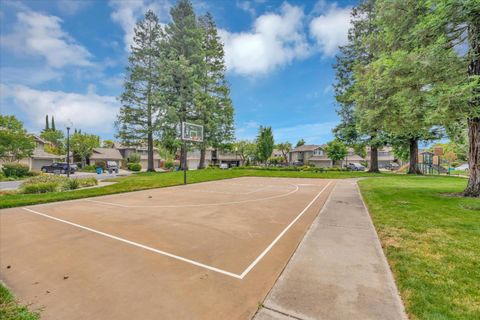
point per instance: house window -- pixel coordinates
(318, 152)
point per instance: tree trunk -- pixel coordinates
(150, 166)
(201, 164)
(373, 160)
(473, 186)
(413, 168)
(182, 157)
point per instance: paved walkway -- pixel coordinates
(339, 270)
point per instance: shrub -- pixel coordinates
(15, 170)
(71, 184)
(134, 166)
(40, 187)
(134, 158)
(169, 164)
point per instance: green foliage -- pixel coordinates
(108, 144)
(72, 184)
(134, 158)
(245, 149)
(336, 150)
(15, 143)
(40, 187)
(300, 143)
(169, 164)
(134, 166)
(15, 170)
(276, 160)
(140, 115)
(89, 168)
(265, 143)
(57, 139)
(82, 144)
(284, 148)
(214, 105)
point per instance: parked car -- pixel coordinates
(463, 167)
(59, 167)
(355, 167)
(112, 166)
(392, 166)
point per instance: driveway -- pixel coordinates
(14, 185)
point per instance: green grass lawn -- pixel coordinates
(432, 242)
(10, 310)
(143, 181)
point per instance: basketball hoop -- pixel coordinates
(192, 132)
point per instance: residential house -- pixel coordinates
(40, 157)
(127, 151)
(213, 157)
(106, 154)
(316, 155)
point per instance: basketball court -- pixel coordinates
(210, 250)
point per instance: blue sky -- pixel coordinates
(67, 59)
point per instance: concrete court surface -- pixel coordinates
(202, 251)
(339, 270)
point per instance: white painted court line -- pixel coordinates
(193, 262)
(232, 193)
(196, 205)
(227, 273)
(257, 260)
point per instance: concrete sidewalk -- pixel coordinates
(339, 270)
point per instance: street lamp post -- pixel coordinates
(68, 152)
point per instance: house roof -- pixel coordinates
(306, 147)
(106, 154)
(118, 145)
(41, 154)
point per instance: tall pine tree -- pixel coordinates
(141, 110)
(182, 60)
(355, 129)
(214, 106)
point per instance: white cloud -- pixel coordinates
(276, 40)
(330, 29)
(247, 7)
(127, 12)
(90, 112)
(72, 6)
(38, 34)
